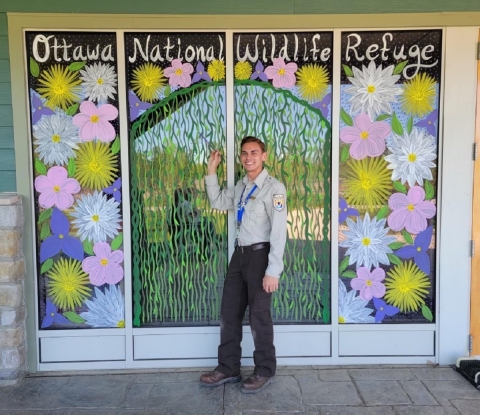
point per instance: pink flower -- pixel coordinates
(367, 138)
(93, 122)
(369, 283)
(410, 211)
(179, 73)
(104, 267)
(283, 75)
(56, 188)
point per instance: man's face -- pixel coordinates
(252, 158)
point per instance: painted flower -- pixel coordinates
(369, 283)
(106, 309)
(344, 211)
(373, 90)
(200, 73)
(410, 211)
(114, 190)
(418, 251)
(282, 75)
(56, 189)
(324, 105)
(136, 105)
(367, 138)
(367, 242)
(383, 309)
(179, 73)
(97, 218)
(259, 73)
(148, 81)
(60, 87)
(99, 82)
(93, 121)
(60, 240)
(96, 165)
(39, 109)
(312, 82)
(216, 70)
(52, 316)
(412, 157)
(407, 287)
(429, 123)
(243, 70)
(351, 309)
(104, 266)
(419, 95)
(56, 139)
(67, 284)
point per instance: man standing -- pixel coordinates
(259, 201)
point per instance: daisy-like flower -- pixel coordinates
(99, 82)
(312, 82)
(60, 87)
(106, 309)
(96, 217)
(56, 138)
(367, 138)
(373, 90)
(104, 266)
(367, 242)
(179, 73)
(412, 157)
(369, 283)
(216, 70)
(351, 309)
(148, 81)
(419, 95)
(93, 121)
(283, 75)
(56, 188)
(243, 70)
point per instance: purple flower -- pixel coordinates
(51, 316)
(60, 240)
(418, 251)
(39, 109)
(345, 211)
(201, 73)
(383, 309)
(259, 73)
(324, 105)
(136, 105)
(114, 190)
(429, 123)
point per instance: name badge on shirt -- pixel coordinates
(279, 202)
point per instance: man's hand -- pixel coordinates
(213, 162)
(270, 284)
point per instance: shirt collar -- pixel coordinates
(259, 180)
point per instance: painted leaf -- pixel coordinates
(72, 110)
(116, 145)
(34, 68)
(344, 264)
(409, 125)
(45, 230)
(394, 259)
(75, 66)
(87, 247)
(71, 167)
(40, 167)
(348, 70)
(408, 238)
(429, 190)
(396, 125)
(382, 117)
(396, 245)
(46, 266)
(382, 212)
(427, 313)
(345, 153)
(400, 67)
(117, 242)
(345, 117)
(349, 274)
(45, 215)
(400, 187)
(167, 91)
(73, 317)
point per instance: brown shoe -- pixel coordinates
(256, 383)
(216, 378)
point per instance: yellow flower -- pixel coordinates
(60, 87)
(96, 166)
(148, 81)
(243, 70)
(216, 70)
(68, 284)
(419, 95)
(407, 286)
(368, 183)
(312, 82)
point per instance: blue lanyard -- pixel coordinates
(241, 205)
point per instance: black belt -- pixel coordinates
(253, 247)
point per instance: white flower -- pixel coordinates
(367, 242)
(352, 309)
(56, 138)
(411, 158)
(97, 218)
(106, 309)
(99, 82)
(374, 89)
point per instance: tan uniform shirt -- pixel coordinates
(265, 216)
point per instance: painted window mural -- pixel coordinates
(390, 86)
(73, 94)
(176, 101)
(283, 92)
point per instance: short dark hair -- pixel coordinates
(252, 139)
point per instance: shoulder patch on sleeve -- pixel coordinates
(279, 202)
